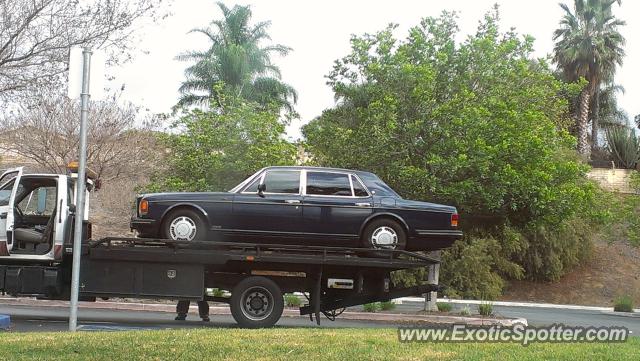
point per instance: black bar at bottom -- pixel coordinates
(361, 300)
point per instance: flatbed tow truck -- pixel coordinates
(36, 228)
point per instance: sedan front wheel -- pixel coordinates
(184, 225)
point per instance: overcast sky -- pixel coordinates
(319, 32)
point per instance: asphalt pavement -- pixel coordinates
(31, 318)
(54, 318)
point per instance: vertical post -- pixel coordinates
(431, 298)
(81, 189)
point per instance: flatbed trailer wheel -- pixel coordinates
(256, 302)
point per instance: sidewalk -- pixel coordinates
(515, 304)
(222, 309)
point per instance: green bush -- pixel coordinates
(291, 300)
(371, 307)
(623, 304)
(485, 308)
(387, 306)
(625, 225)
(481, 125)
(215, 150)
(218, 292)
(624, 146)
(444, 306)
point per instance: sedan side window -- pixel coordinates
(253, 187)
(328, 184)
(358, 188)
(282, 181)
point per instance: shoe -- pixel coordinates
(181, 317)
(206, 319)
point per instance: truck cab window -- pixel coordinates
(40, 201)
(5, 193)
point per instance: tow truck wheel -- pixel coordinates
(256, 302)
(184, 225)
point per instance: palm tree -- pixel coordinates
(237, 60)
(588, 45)
(609, 113)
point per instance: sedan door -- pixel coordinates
(336, 205)
(275, 212)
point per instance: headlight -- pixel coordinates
(143, 207)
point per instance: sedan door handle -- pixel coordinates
(292, 201)
(363, 204)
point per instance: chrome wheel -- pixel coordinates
(256, 303)
(384, 237)
(182, 229)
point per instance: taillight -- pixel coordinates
(143, 207)
(454, 220)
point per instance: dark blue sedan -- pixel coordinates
(301, 205)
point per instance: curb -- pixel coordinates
(5, 321)
(218, 309)
(517, 304)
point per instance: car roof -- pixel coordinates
(299, 167)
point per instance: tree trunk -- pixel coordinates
(583, 121)
(595, 121)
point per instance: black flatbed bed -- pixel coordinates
(332, 277)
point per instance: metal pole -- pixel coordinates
(81, 188)
(431, 298)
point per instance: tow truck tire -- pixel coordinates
(184, 222)
(256, 302)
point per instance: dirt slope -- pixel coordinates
(613, 270)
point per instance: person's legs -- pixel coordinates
(182, 309)
(203, 310)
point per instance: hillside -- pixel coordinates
(613, 270)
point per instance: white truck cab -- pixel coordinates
(36, 214)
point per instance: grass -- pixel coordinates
(387, 306)
(444, 306)
(623, 304)
(371, 307)
(485, 308)
(282, 343)
(465, 311)
(291, 300)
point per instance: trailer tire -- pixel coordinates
(256, 302)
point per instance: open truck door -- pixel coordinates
(9, 182)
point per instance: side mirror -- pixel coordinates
(261, 189)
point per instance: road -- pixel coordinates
(33, 318)
(538, 316)
(30, 318)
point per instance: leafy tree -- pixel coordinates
(589, 45)
(237, 59)
(215, 150)
(477, 125)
